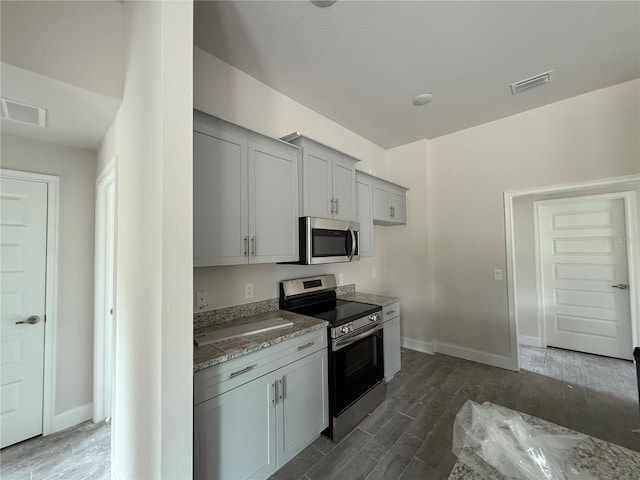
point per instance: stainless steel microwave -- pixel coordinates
(328, 241)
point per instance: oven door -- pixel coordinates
(329, 241)
(356, 365)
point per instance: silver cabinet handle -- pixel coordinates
(244, 370)
(332, 206)
(621, 286)
(253, 246)
(337, 207)
(32, 320)
(246, 246)
(284, 387)
(275, 392)
(306, 345)
(273, 387)
(281, 389)
(390, 312)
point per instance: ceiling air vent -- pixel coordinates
(23, 113)
(531, 82)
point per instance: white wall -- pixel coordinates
(587, 137)
(402, 250)
(152, 137)
(226, 92)
(76, 169)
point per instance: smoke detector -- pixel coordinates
(531, 82)
(23, 113)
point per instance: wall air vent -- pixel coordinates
(531, 82)
(23, 113)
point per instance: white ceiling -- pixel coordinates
(75, 117)
(67, 57)
(361, 63)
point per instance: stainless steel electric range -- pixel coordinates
(356, 362)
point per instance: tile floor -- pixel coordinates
(409, 435)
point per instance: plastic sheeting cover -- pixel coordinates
(514, 448)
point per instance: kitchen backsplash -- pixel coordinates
(206, 320)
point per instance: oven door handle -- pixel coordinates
(353, 244)
(340, 343)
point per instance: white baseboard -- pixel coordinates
(419, 345)
(475, 355)
(71, 417)
(527, 340)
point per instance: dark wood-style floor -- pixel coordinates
(409, 435)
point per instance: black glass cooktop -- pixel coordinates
(338, 312)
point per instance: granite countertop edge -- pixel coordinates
(210, 355)
(375, 299)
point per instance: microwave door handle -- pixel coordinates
(353, 243)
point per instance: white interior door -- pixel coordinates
(23, 243)
(585, 276)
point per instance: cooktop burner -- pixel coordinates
(316, 297)
(342, 311)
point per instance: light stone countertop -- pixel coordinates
(381, 300)
(592, 456)
(213, 354)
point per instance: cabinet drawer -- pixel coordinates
(221, 378)
(391, 311)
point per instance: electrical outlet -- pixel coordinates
(340, 279)
(373, 273)
(201, 299)
(248, 290)
(497, 274)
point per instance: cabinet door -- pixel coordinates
(273, 203)
(220, 218)
(234, 433)
(398, 202)
(391, 348)
(317, 184)
(364, 200)
(303, 411)
(344, 189)
(381, 205)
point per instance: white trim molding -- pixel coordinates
(473, 355)
(418, 345)
(72, 417)
(104, 323)
(528, 340)
(628, 183)
(51, 290)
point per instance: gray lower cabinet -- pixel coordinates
(250, 430)
(392, 353)
(245, 196)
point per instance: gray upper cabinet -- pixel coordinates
(245, 196)
(364, 203)
(389, 203)
(328, 180)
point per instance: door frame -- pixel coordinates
(104, 337)
(51, 289)
(633, 183)
(629, 199)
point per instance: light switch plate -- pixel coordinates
(248, 290)
(497, 274)
(340, 279)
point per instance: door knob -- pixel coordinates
(621, 286)
(32, 320)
